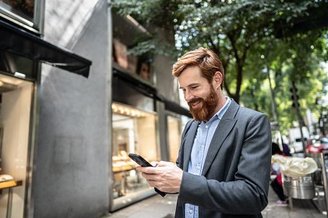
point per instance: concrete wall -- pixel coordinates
(166, 84)
(70, 177)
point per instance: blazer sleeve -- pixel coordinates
(246, 192)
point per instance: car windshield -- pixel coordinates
(324, 140)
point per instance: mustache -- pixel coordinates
(194, 100)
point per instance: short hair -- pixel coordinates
(204, 58)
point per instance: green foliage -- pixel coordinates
(252, 37)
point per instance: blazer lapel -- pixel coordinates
(225, 126)
(190, 136)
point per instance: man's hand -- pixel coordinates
(166, 176)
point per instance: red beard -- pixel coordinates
(206, 111)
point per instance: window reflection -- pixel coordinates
(144, 71)
(134, 65)
(11, 63)
(23, 8)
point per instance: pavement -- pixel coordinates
(299, 209)
(158, 207)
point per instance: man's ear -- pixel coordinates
(217, 79)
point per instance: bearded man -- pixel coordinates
(223, 167)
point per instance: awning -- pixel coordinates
(151, 92)
(23, 43)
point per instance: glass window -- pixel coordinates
(174, 134)
(15, 104)
(134, 131)
(175, 126)
(11, 63)
(22, 8)
(139, 66)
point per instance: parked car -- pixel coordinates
(324, 143)
(317, 146)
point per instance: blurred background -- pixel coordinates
(84, 83)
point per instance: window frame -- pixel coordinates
(34, 25)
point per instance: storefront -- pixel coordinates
(136, 121)
(134, 130)
(21, 53)
(15, 116)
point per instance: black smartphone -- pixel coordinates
(139, 160)
(142, 162)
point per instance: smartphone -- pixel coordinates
(142, 162)
(139, 160)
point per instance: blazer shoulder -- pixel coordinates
(238, 111)
(245, 114)
(244, 111)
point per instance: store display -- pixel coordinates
(5, 177)
(133, 132)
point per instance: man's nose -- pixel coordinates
(188, 96)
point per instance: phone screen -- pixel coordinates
(139, 160)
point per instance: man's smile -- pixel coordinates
(195, 103)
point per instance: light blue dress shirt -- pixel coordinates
(199, 151)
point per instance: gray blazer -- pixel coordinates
(236, 173)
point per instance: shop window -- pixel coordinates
(26, 13)
(144, 68)
(17, 65)
(140, 66)
(134, 131)
(15, 110)
(175, 126)
(173, 133)
(122, 58)
(24, 8)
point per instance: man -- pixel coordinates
(223, 167)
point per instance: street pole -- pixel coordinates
(298, 114)
(273, 102)
(274, 106)
(323, 160)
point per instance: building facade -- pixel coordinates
(146, 116)
(74, 103)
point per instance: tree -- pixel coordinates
(249, 36)
(287, 61)
(230, 28)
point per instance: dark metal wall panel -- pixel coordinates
(127, 93)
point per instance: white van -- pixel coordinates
(295, 139)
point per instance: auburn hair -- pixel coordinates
(204, 58)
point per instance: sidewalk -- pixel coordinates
(153, 207)
(301, 209)
(158, 207)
